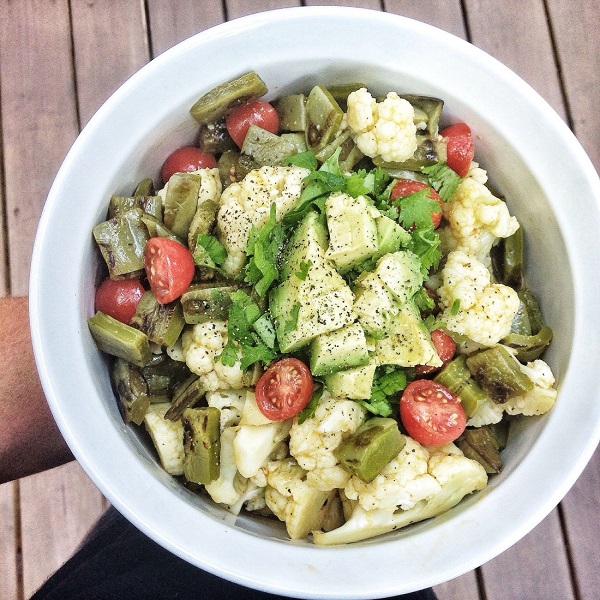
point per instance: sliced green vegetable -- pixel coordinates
(292, 112)
(214, 138)
(480, 444)
(266, 148)
(202, 444)
(203, 221)
(181, 202)
(144, 188)
(324, 118)
(119, 205)
(222, 99)
(427, 112)
(209, 301)
(232, 168)
(122, 241)
(370, 448)
(499, 374)
(162, 323)
(507, 260)
(117, 339)
(132, 390)
(185, 395)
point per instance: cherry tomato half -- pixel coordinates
(445, 347)
(186, 159)
(431, 414)
(169, 267)
(284, 389)
(119, 298)
(406, 187)
(256, 112)
(459, 147)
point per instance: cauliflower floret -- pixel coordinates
(385, 129)
(248, 203)
(201, 344)
(448, 478)
(541, 398)
(167, 437)
(230, 485)
(230, 404)
(293, 500)
(473, 306)
(312, 442)
(476, 218)
(403, 482)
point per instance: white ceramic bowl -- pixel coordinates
(531, 156)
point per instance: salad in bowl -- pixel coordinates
(319, 313)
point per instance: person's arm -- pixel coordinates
(29, 438)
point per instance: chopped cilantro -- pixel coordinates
(455, 307)
(263, 248)
(247, 330)
(442, 179)
(309, 409)
(209, 251)
(291, 323)
(307, 160)
(303, 271)
(388, 382)
(416, 209)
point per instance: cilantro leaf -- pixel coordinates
(263, 247)
(309, 410)
(247, 330)
(307, 160)
(387, 383)
(416, 209)
(425, 243)
(291, 323)
(443, 180)
(209, 251)
(303, 269)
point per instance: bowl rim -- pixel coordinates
(307, 578)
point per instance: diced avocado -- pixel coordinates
(374, 305)
(409, 343)
(341, 349)
(352, 231)
(401, 274)
(313, 298)
(355, 384)
(391, 236)
(370, 448)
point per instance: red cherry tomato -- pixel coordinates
(186, 159)
(119, 298)
(445, 347)
(169, 267)
(431, 414)
(257, 112)
(284, 389)
(406, 187)
(459, 147)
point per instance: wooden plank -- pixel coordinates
(464, 587)
(524, 44)
(580, 512)
(9, 568)
(535, 567)
(100, 67)
(241, 8)
(171, 23)
(445, 15)
(576, 24)
(516, 33)
(39, 122)
(58, 507)
(372, 4)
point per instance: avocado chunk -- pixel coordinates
(337, 350)
(370, 448)
(355, 383)
(374, 305)
(202, 444)
(352, 231)
(391, 236)
(313, 298)
(409, 343)
(401, 274)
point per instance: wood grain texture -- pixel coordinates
(9, 567)
(241, 8)
(39, 120)
(445, 15)
(110, 43)
(172, 22)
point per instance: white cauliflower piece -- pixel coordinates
(200, 345)
(312, 442)
(485, 310)
(403, 482)
(541, 398)
(248, 202)
(230, 485)
(293, 500)
(476, 218)
(230, 404)
(487, 413)
(454, 477)
(384, 129)
(167, 437)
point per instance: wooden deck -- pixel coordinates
(60, 59)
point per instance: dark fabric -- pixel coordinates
(118, 562)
